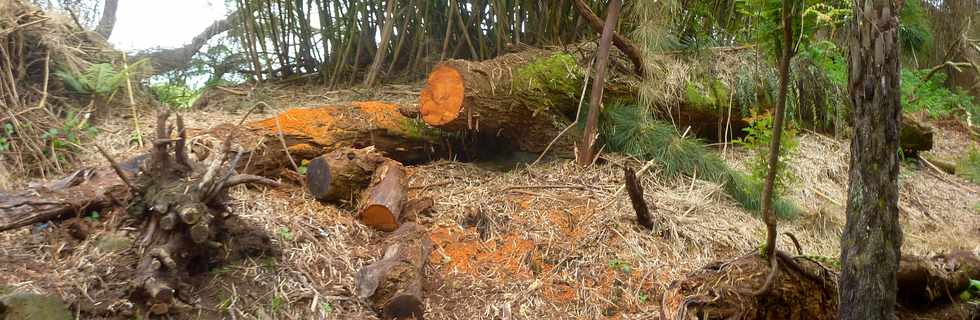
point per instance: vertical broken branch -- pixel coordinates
(636, 197)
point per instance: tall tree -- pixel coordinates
(872, 239)
(108, 20)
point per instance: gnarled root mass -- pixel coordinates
(181, 206)
(804, 288)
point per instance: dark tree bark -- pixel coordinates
(481, 97)
(585, 153)
(108, 20)
(393, 285)
(872, 239)
(635, 191)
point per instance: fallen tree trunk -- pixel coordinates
(393, 284)
(85, 190)
(916, 134)
(381, 204)
(309, 133)
(306, 133)
(342, 174)
(526, 98)
(923, 281)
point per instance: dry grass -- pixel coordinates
(543, 242)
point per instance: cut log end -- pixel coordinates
(442, 97)
(379, 217)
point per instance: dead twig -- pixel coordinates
(796, 242)
(119, 171)
(635, 191)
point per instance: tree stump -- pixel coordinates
(182, 207)
(393, 284)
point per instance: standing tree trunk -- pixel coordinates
(777, 133)
(872, 239)
(108, 20)
(585, 152)
(379, 56)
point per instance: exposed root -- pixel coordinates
(183, 204)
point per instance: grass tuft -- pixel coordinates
(632, 130)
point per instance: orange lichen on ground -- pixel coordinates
(559, 293)
(460, 250)
(567, 220)
(442, 97)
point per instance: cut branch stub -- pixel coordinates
(393, 284)
(382, 202)
(341, 175)
(635, 191)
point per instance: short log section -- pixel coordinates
(393, 284)
(382, 202)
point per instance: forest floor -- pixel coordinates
(549, 241)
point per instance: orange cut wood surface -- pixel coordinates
(442, 97)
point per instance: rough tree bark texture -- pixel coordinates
(484, 97)
(341, 174)
(309, 133)
(589, 136)
(872, 239)
(393, 284)
(635, 191)
(85, 190)
(108, 20)
(381, 204)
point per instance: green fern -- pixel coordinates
(100, 79)
(633, 131)
(969, 166)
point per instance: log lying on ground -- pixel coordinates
(393, 284)
(306, 133)
(526, 98)
(381, 205)
(309, 133)
(85, 190)
(342, 174)
(923, 281)
(916, 134)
